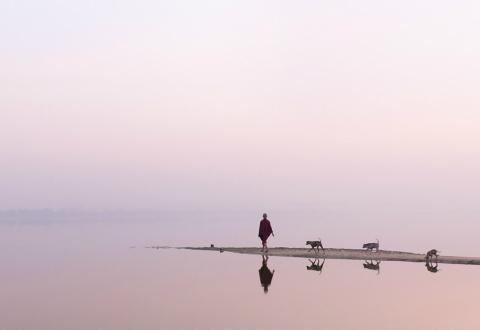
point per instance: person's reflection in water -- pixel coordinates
(265, 274)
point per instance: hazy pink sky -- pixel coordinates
(240, 104)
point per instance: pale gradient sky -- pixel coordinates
(240, 104)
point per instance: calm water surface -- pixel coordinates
(87, 276)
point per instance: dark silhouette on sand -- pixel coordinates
(264, 232)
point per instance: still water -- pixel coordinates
(89, 276)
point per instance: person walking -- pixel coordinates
(264, 232)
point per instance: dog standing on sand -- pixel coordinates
(430, 254)
(371, 246)
(315, 245)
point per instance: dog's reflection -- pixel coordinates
(432, 266)
(265, 274)
(316, 265)
(372, 265)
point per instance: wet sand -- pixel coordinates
(352, 254)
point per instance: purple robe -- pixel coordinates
(265, 230)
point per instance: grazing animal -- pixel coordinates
(315, 245)
(430, 254)
(369, 264)
(315, 265)
(371, 246)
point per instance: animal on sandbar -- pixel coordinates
(315, 245)
(429, 260)
(371, 246)
(315, 265)
(430, 254)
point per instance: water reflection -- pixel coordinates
(372, 265)
(432, 266)
(315, 265)
(266, 275)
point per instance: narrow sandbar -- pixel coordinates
(352, 254)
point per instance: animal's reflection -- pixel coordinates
(432, 266)
(372, 265)
(265, 274)
(315, 265)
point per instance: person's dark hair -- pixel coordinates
(264, 215)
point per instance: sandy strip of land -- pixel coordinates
(343, 254)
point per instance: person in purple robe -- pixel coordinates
(264, 232)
